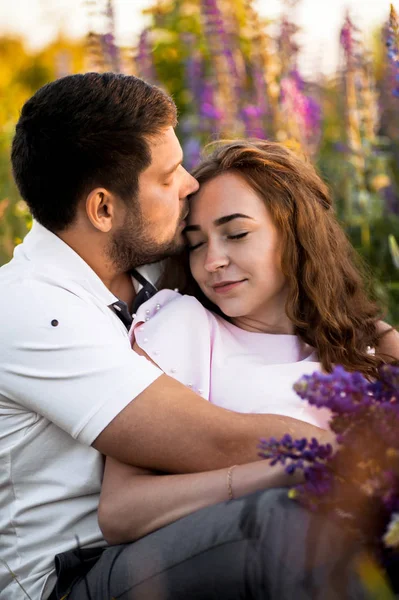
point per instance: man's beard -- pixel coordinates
(132, 246)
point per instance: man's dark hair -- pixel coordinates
(81, 132)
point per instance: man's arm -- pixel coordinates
(170, 428)
(83, 376)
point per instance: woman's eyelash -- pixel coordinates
(191, 248)
(238, 236)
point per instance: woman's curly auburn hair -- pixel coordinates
(327, 300)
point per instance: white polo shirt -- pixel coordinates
(66, 370)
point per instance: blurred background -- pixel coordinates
(321, 77)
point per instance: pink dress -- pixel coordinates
(228, 366)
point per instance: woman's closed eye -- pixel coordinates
(238, 236)
(233, 237)
(191, 247)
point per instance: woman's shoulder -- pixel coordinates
(174, 332)
(388, 342)
(171, 316)
(172, 303)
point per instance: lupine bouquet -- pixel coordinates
(358, 480)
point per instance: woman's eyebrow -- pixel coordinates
(220, 221)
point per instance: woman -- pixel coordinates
(275, 294)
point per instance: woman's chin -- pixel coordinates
(229, 310)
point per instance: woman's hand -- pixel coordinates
(135, 501)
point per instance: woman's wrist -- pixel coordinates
(252, 477)
(230, 491)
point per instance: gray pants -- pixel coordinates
(263, 546)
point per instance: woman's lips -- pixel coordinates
(225, 287)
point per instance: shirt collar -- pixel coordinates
(151, 273)
(52, 257)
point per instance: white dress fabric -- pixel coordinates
(228, 366)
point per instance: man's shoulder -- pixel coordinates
(30, 305)
(24, 285)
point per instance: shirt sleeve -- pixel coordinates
(174, 331)
(66, 359)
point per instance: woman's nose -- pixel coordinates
(215, 259)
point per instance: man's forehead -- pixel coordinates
(167, 137)
(163, 137)
(165, 149)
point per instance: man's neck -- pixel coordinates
(122, 287)
(120, 284)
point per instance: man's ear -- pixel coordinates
(100, 209)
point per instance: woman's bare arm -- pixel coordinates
(135, 502)
(388, 344)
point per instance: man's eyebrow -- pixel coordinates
(220, 221)
(173, 168)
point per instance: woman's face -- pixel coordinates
(235, 254)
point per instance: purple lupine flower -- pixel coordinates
(258, 64)
(144, 58)
(216, 32)
(287, 45)
(110, 49)
(193, 67)
(253, 117)
(349, 41)
(192, 153)
(260, 92)
(303, 111)
(392, 44)
(360, 479)
(301, 451)
(339, 391)
(391, 199)
(346, 37)
(210, 114)
(223, 60)
(313, 119)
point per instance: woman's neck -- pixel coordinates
(275, 322)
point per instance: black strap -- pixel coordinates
(139, 277)
(71, 567)
(120, 308)
(147, 291)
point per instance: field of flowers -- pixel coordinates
(233, 74)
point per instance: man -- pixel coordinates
(98, 163)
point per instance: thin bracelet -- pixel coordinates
(230, 482)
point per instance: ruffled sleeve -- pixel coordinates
(175, 332)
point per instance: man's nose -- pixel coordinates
(191, 185)
(194, 184)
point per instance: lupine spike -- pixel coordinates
(144, 58)
(223, 63)
(361, 477)
(392, 43)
